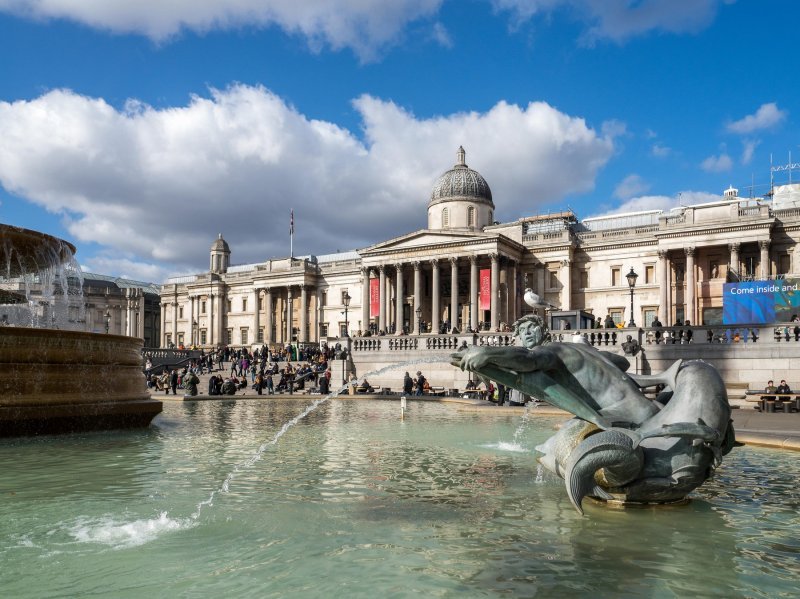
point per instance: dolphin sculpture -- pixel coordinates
(620, 445)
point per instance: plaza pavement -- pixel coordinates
(777, 430)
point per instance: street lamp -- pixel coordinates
(108, 320)
(419, 319)
(194, 332)
(631, 276)
(346, 301)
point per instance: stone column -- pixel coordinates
(495, 320)
(140, 293)
(256, 316)
(399, 300)
(382, 298)
(365, 299)
(453, 292)
(733, 248)
(174, 320)
(268, 338)
(163, 324)
(764, 260)
(513, 300)
(417, 296)
(289, 314)
(663, 278)
(436, 309)
(473, 292)
(303, 314)
(389, 304)
(540, 272)
(566, 285)
(690, 287)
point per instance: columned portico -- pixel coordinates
(495, 320)
(435, 301)
(473, 292)
(453, 293)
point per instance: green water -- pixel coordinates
(353, 502)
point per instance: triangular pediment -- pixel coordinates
(425, 238)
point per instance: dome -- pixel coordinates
(220, 245)
(461, 182)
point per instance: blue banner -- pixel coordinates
(760, 302)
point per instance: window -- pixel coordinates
(260, 303)
(712, 316)
(180, 312)
(230, 305)
(552, 279)
(203, 307)
(228, 336)
(471, 216)
(713, 268)
(180, 338)
(650, 274)
(649, 315)
(243, 333)
(584, 279)
(203, 336)
(323, 330)
(260, 338)
(615, 277)
(679, 274)
(617, 315)
(244, 304)
(784, 262)
(445, 217)
(323, 299)
(168, 339)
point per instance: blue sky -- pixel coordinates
(140, 129)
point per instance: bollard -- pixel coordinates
(402, 407)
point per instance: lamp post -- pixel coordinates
(108, 321)
(194, 332)
(346, 301)
(631, 276)
(419, 319)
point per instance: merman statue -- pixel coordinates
(621, 445)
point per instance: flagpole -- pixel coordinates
(291, 235)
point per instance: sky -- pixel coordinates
(140, 130)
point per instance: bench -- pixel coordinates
(771, 402)
(473, 393)
(436, 391)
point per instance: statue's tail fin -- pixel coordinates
(668, 377)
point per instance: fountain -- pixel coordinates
(53, 379)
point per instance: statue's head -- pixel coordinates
(531, 330)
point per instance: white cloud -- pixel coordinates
(156, 186)
(717, 164)
(630, 186)
(662, 202)
(620, 20)
(660, 151)
(766, 117)
(364, 25)
(749, 147)
(442, 36)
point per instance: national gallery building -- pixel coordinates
(467, 272)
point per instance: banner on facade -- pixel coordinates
(374, 298)
(760, 302)
(486, 289)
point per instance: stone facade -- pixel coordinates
(466, 273)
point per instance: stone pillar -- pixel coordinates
(140, 293)
(382, 298)
(764, 260)
(303, 337)
(129, 315)
(473, 292)
(513, 300)
(399, 300)
(540, 272)
(365, 300)
(663, 278)
(163, 324)
(690, 287)
(733, 248)
(268, 338)
(453, 293)
(389, 304)
(495, 320)
(436, 309)
(289, 314)
(256, 316)
(566, 285)
(417, 296)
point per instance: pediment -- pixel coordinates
(426, 238)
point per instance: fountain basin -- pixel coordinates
(54, 381)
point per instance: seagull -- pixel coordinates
(532, 299)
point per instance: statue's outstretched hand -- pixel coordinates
(472, 358)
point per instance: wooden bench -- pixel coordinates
(436, 391)
(773, 402)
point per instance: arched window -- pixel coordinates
(445, 218)
(471, 216)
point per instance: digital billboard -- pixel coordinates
(760, 302)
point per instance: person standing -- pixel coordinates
(173, 382)
(408, 384)
(420, 383)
